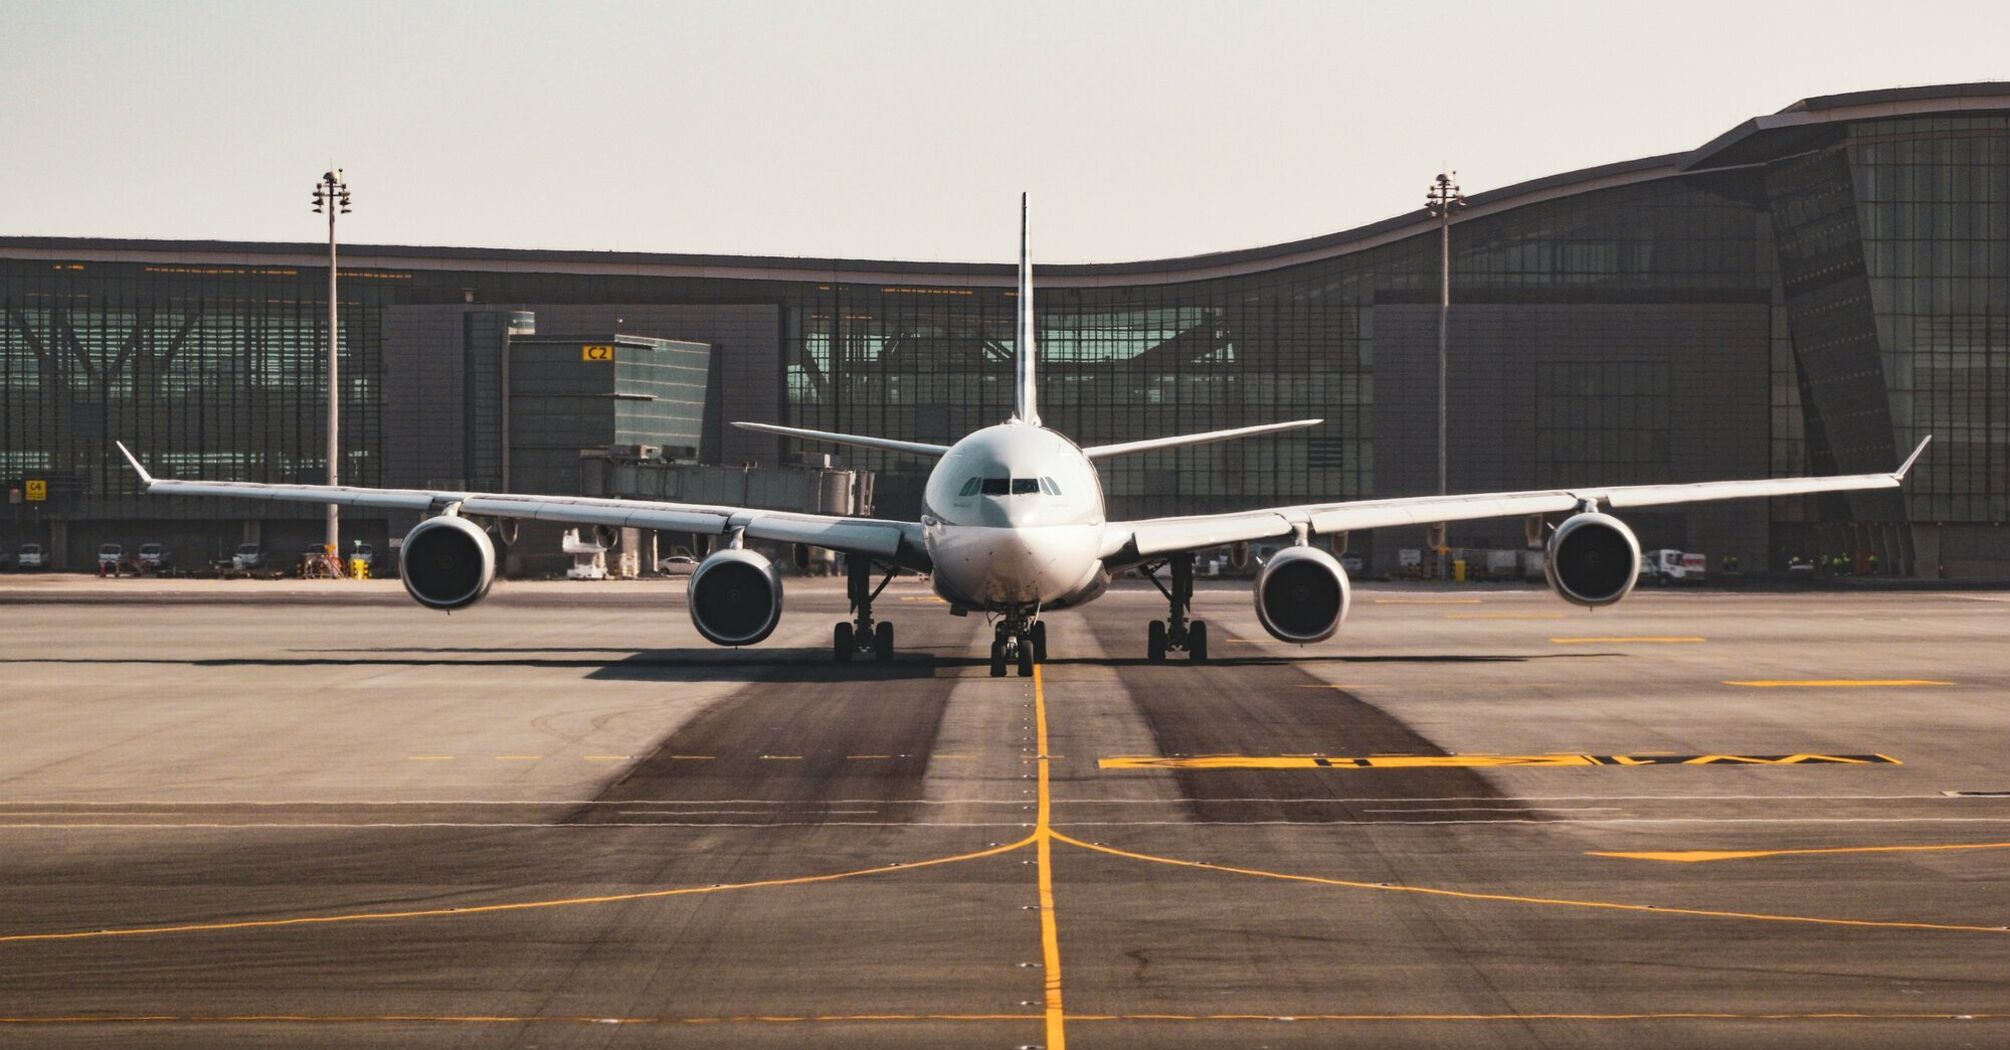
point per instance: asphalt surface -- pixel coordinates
(239, 814)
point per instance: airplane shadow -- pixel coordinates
(725, 665)
(1297, 661)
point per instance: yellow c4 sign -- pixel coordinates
(37, 490)
(596, 352)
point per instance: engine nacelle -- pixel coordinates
(1593, 560)
(735, 597)
(447, 562)
(1302, 595)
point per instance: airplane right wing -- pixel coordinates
(1126, 543)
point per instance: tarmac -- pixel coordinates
(250, 814)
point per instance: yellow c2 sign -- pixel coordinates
(596, 352)
(37, 490)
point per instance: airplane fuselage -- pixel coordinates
(1013, 521)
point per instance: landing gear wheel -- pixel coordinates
(1196, 641)
(1155, 641)
(998, 658)
(882, 641)
(842, 643)
(1025, 658)
(1040, 641)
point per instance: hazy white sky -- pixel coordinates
(886, 130)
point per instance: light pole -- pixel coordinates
(1441, 201)
(331, 197)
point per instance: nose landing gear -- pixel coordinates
(1018, 641)
(861, 634)
(1176, 633)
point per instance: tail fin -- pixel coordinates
(1026, 389)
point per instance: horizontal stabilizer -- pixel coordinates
(915, 448)
(1128, 447)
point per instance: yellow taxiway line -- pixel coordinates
(1635, 639)
(1693, 856)
(1835, 683)
(489, 909)
(1557, 902)
(1043, 838)
(1476, 761)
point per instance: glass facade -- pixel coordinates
(1774, 302)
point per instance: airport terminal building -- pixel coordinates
(1810, 292)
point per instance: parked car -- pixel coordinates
(155, 558)
(248, 558)
(677, 565)
(1352, 562)
(31, 556)
(111, 559)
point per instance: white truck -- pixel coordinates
(1673, 566)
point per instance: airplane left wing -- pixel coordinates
(897, 540)
(1133, 541)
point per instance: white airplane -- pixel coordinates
(1012, 526)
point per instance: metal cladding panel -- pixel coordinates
(1554, 395)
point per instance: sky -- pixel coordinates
(888, 130)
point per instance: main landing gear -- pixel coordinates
(1021, 641)
(1176, 633)
(861, 634)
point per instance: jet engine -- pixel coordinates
(735, 597)
(1593, 560)
(447, 562)
(1302, 595)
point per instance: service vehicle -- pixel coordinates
(1673, 566)
(154, 557)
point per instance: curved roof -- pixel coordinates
(1807, 124)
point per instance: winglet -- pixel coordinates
(145, 478)
(1914, 458)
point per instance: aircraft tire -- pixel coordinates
(882, 641)
(1040, 641)
(842, 643)
(1155, 641)
(1025, 658)
(998, 658)
(1196, 641)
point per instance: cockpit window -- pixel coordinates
(970, 487)
(1048, 485)
(1025, 486)
(997, 486)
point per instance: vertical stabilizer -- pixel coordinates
(1026, 401)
